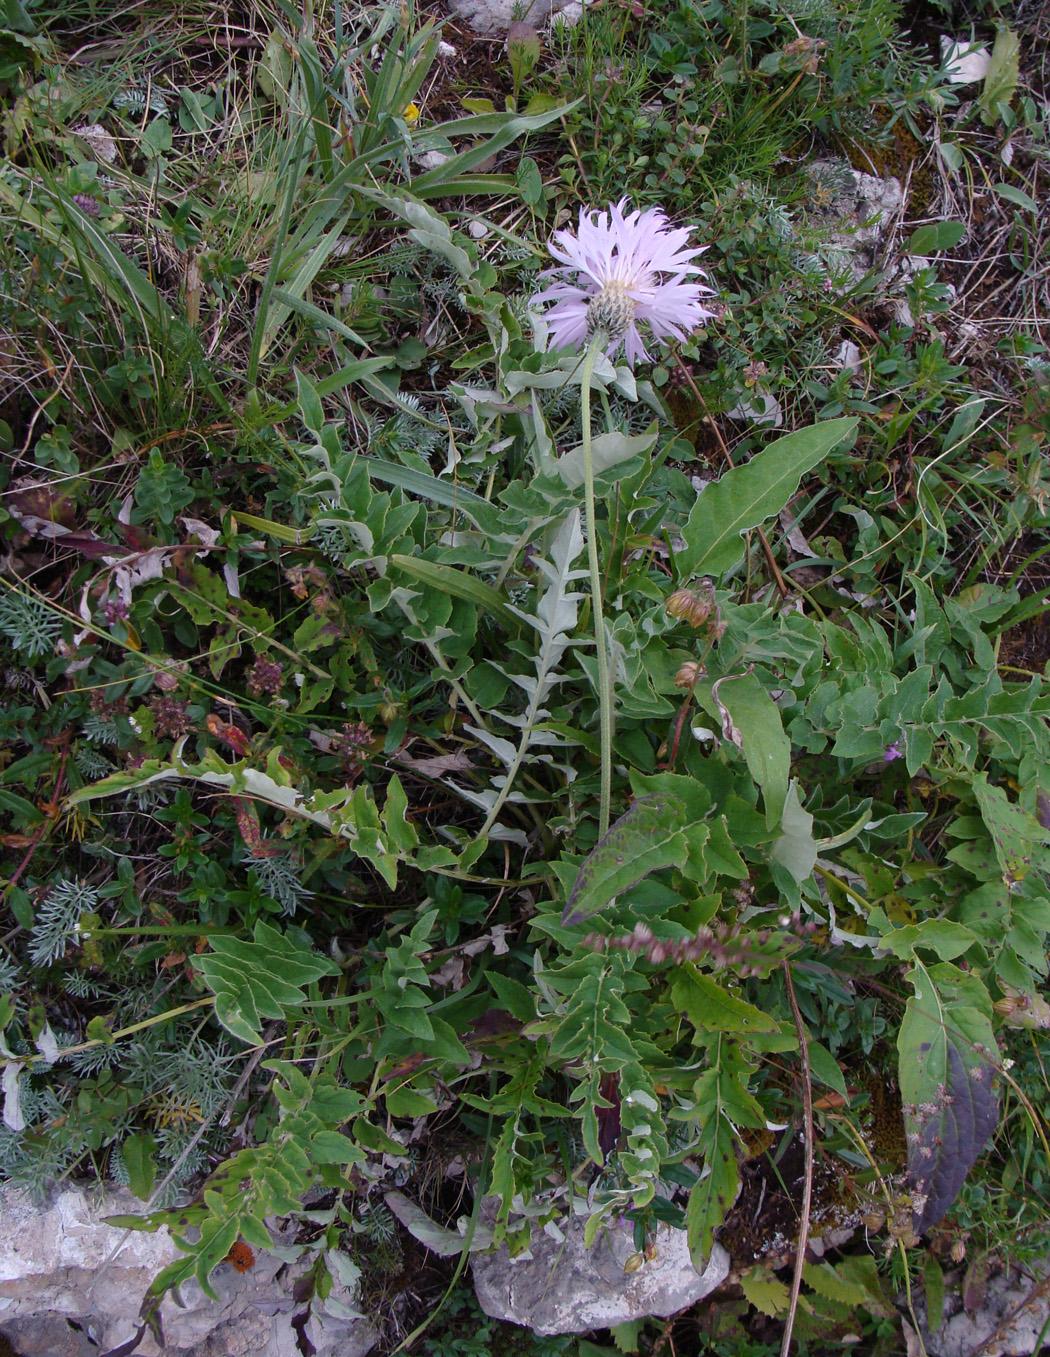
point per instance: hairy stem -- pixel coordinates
(605, 693)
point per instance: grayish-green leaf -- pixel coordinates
(796, 849)
(607, 450)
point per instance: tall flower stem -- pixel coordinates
(605, 691)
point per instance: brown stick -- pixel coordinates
(767, 550)
(679, 725)
(807, 1190)
(45, 829)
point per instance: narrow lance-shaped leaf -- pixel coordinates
(138, 1153)
(714, 1194)
(747, 495)
(448, 579)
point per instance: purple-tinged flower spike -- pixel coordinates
(620, 271)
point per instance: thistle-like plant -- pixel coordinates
(618, 272)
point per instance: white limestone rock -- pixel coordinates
(491, 17)
(60, 1262)
(563, 1287)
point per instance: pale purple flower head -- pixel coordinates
(619, 271)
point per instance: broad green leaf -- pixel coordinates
(1000, 81)
(331, 1147)
(949, 940)
(751, 720)
(765, 1291)
(711, 1008)
(514, 997)
(1010, 193)
(723, 1090)
(14, 15)
(156, 139)
(861, 1272)
(646, 838)
(259, 979)
(825, 1067)
(935, 236)
(409, 1102)
(216, 1241)
(747, 495)
(947, 1058)
(828, 1282)
(529, 181)
(1017, 835)
(193, 116)
(137, 1152)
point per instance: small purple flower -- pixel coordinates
(619, 271)
(893, 752)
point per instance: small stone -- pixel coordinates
(432, 160)
(964, 63)
(99, 141)
(857, 210)
(569, 15)
(761, 409)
